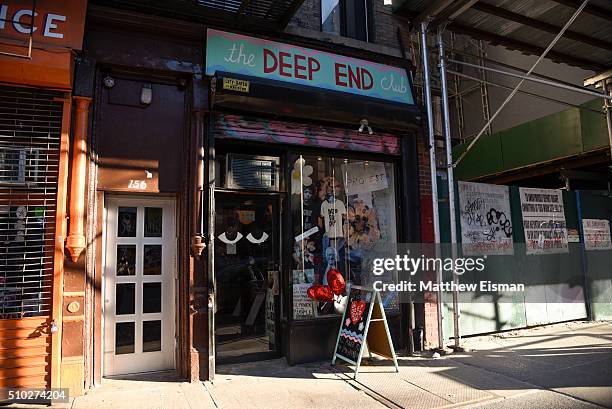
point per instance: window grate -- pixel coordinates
(30, 132)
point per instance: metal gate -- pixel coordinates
(30, 132)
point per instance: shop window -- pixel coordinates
(343, 213)
(348, 18)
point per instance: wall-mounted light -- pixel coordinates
(363, 125)
(146, 94)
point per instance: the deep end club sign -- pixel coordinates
(234, 53)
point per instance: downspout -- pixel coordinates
(76, 243)
(198, 217)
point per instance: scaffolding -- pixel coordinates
(432, 92)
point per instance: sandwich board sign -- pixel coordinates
(363, 322)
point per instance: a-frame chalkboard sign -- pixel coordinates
(364, 321)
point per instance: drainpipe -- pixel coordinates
(451, 184)
(434, 181)
(197, 217)
(75, 243)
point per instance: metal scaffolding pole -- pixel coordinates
(534, 79)
(451, 183)
(434, 180)
(459, 98)
(484, 90)
(531, 94)
(522, 81)
(487, 61)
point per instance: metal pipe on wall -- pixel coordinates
(434, 181)
(451, 181)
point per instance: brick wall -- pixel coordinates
(308, 16)
(385, 25)
(427, 236)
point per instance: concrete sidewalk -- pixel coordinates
(559, 366)
(573, 359)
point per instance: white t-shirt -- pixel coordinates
(332, 213)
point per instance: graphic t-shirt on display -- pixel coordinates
(332, 213)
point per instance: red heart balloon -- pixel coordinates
(324, 293)
(311, 292)
(336, 281)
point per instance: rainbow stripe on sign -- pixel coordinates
(239, 54)
(352, 335)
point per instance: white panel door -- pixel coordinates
(139, 276)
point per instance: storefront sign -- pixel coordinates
(234, 53)
(57, 23)
(596, 234)
(543, 221)
(486, 225)
(233, 84)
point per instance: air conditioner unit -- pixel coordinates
(18, 165)
(252, 172)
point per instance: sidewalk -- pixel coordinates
(559, 366)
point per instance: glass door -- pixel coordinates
(247, 276)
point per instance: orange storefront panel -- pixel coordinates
(46, 69)
(56, 24)
(37, 41)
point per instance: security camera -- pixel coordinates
(108, 81)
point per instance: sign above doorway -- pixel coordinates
(239, 54)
